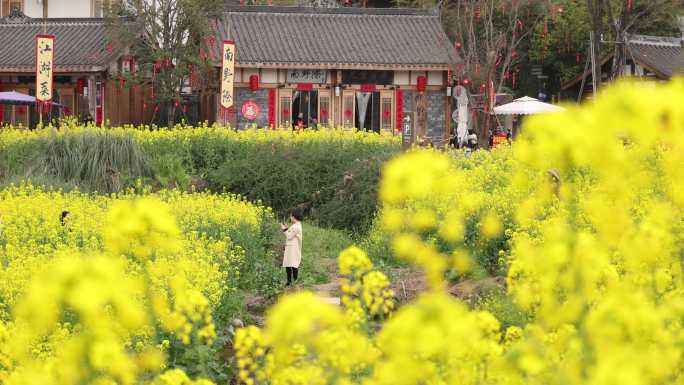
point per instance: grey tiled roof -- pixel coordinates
(79, 44)
(662, 55)
(337, 37)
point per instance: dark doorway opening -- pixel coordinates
(306, 104)
(370, 103)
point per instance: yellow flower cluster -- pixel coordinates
(585, 212)
(96, 297)
(182, 135)
(366, 293)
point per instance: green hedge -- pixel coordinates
(333, 175)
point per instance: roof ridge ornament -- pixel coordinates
(16, 16)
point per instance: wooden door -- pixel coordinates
(284, 109)
(387, 109)
(324, 108)
(420, 115)
(348, 108)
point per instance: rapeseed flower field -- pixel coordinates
(583, 214)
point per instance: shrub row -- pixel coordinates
(333, 175)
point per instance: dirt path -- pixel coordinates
(329, 292)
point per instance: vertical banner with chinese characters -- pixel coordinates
(227, 75)
(45, 53)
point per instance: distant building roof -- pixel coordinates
(79, 43)
(662, 55)
(358, 38)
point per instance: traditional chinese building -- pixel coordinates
(340, 67)
(83, 65)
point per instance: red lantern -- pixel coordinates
(466, 82)
(421, 83)
(254, 82)
(348, 114)
(458, 45)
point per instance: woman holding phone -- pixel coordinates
(293, 246)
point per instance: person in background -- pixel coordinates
(471, 141)
(292, 256)
(300, 121)
(63, 217)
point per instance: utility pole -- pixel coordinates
(592, 53)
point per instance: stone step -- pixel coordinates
(331, 300)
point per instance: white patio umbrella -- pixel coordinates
(526, 106)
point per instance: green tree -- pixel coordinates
(172, 42)
(563, 45)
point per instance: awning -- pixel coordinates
(526, 106)
(19, 99)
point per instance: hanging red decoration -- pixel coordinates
(272, 108)
(185, 109)
(144, 106)
(458, 45)
(348, 114)
(482, 87)
(578, 57)
(400, 109)
(459, 68)
(369, 87)
(478, 12)
(253, 82)
(80, 85)
(514, 76)
(421, 83)
(466, 82)
(629, 5)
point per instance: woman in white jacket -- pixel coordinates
(293, 246)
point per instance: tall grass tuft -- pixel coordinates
(94, 160)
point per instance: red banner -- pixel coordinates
(271, 108)
(400, 108)
(368, 88)
(304, 87)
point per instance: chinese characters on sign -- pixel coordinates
(227, 74)
(45, 49)
(307, 76)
